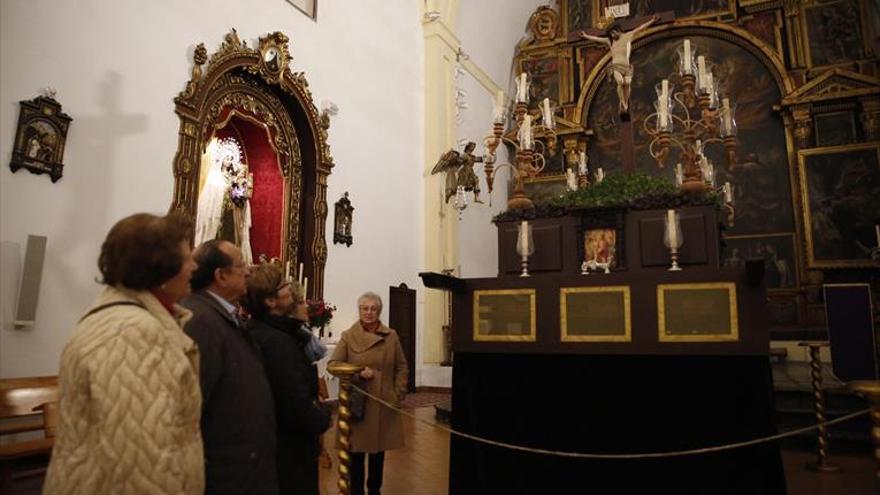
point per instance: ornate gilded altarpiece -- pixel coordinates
(257, 85)
(804, 75)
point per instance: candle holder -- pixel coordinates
(525, 247)
(673, 238)
(585, 268)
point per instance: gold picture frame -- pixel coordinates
(703, 315)
(478, 313)
(831, 243)
(564, 318)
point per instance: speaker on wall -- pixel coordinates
(31, 275)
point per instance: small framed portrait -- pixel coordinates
(307, 7)
(840, 192)
(40, 137)
(601, 242)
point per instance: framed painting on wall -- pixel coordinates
(834, 129)
(834, 32)
(777, 250)
(840, 193)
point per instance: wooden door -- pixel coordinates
(402, 317)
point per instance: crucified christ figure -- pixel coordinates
(619, 42)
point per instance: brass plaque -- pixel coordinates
(595, 314)
(504, 315)
(697, 312)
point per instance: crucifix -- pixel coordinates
(618, 38)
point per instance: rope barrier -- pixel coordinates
(648, 455)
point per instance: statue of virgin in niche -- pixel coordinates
(228, 187)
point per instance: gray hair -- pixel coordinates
(373, 296)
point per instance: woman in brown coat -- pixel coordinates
(376, 347)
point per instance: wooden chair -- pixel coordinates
(26, 405)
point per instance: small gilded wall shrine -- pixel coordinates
(803, 77)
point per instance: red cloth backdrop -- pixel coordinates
(267, 202)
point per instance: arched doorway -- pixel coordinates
(251, 97)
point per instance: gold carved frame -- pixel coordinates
(662, 336)
(563, 314)
(259, 81)
(530, 337)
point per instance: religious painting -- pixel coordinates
(833, 129)
(545, 188)
(834, 32)
(841, 201)
(776, 250)
(506, 315)
(683, 8)
(599, 247)
(760, 178)
(595, 314)
(578, 15)
(602, 241)
(307, 7)
(544, 83)
(765, 27)
(702, 312)
(40, 137)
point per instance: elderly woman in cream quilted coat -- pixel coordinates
(130, 398)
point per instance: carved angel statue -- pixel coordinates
(459, 168)
(228, 185)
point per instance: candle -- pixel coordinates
(671, 230)
(582, 163)
(299, 277)
(306, 287)
(679, 174)
(701, 70)
(287, 270)
(877, 230)
(663, 107)
(499, 106)
(522, 90)
(710, 83)
(526, 131)
(728, 120)
(728, 193)
(548, 117)
(687, 57)
(524, 237)
(599, 175)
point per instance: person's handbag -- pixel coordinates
(357, 401)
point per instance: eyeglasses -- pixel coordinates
(371, 309)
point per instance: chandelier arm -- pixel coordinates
(678, 98)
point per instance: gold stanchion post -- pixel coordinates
(344, 371)
(870, 390)
(822, 464)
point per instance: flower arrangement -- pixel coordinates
(320, 313)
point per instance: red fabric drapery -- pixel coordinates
(267, 202)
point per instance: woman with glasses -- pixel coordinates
(371, 344)
(278, 315)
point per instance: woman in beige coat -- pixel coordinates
(130, 398)
(376, 347)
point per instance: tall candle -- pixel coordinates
(687, 57)
(548, 117)
(600, 174)
(499, 106)
(306, 287)
(877, 230)
(526, 128)
(287, 270)
(701, 70)
(522, 90)
(524, 236)
(664, 103)
(671, 230)
(728, 193)
(679, 174)
(582, 163)
(299, 277)
(728, 120)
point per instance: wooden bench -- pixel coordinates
(26, 405)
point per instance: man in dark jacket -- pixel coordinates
(279, 311)
(238, 415)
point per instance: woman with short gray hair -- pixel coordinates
(373, 345)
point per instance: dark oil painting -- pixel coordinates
(579, 15)
(544, 80)
(777, 251)
(760, 178)
(842, 188)
(682, 8)
(834, 32)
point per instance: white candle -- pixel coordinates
(582, 163)
(287, 270)
(306, 287)
(701, 70)
(524, 236)
(664, 103)
(679, 174)
(687, 57)
(526, 129)
(299, 277)
(671, 231)
(877, 230)
(600, 174)
(499, 106)
(548, 117)
(728, 120)
(728, 193)
(522, 89)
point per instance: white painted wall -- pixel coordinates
(117, 67)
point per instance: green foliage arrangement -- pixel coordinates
(635, 191)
